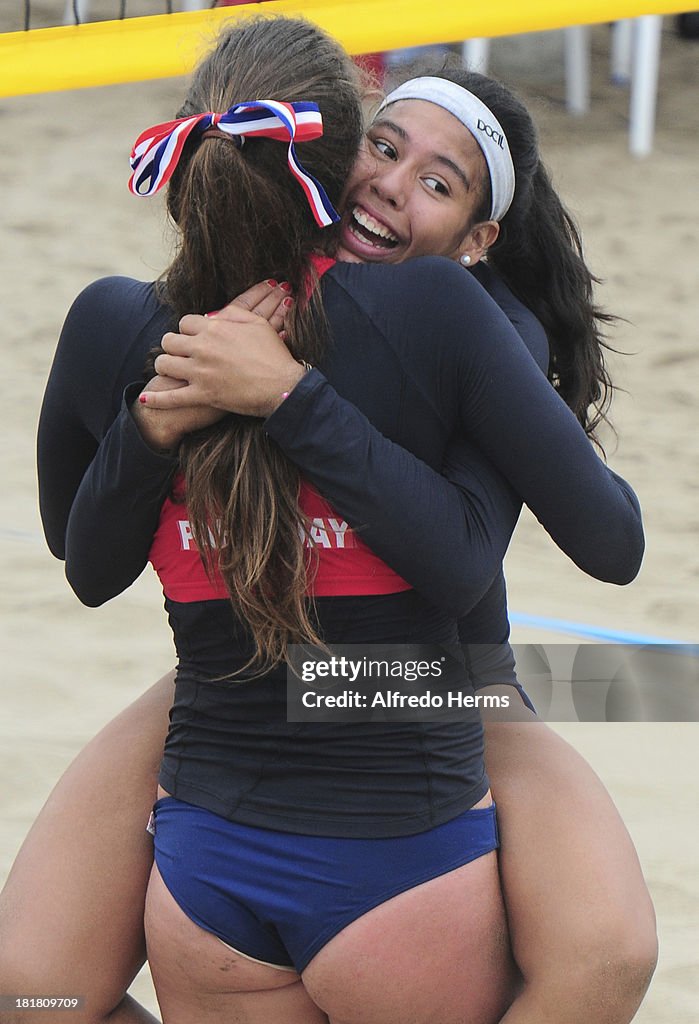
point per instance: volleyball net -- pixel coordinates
(169, 45)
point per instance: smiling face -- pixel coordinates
(416, 190)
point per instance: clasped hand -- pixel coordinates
(231, 361)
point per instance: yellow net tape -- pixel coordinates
(167, 45)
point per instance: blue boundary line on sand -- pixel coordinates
(609, 636)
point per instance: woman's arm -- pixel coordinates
(533, 440)
(381, 488)
(448, 542)
(457, 347)
(104, 468)
(116, 509)
(103, 345)
(490, 385)
(519, 422)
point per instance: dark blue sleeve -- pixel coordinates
(106, 336)
(503, 403)
(460, 348)
(77, 401)
(520, 423)
(116, 510)
(484, 634)
(446, 541)
(445, 533)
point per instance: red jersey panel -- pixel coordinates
(339, 562)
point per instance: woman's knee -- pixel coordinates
(622, 963)
(582, 921)
(599, 962)
(606, 986)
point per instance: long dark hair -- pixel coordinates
(243, 217)
(539, 254)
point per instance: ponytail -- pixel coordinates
(242, 217)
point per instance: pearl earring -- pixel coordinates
(465, 259)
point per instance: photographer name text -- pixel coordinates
(396, 699)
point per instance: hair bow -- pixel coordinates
(157, 150)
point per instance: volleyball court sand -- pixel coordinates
(67, 218)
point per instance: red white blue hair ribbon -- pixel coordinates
(157, 150)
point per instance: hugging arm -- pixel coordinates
(459, 347)
(496, 391)
(110, 504)
(452, 561)
(521, 424)
(462, 353)
(107, 333)
(68, 433)
(524, 431)
(447, 541)
(91, 454)
(115, 511)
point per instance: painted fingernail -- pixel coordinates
(271, 282)
(142, 398)
(287, 303)
(285, 286)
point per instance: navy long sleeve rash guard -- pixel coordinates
(440, 515)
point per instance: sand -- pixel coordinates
(67, 218)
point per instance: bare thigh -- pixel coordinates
(436, 953)
(71, 913)
(198, 978)
(579, 911)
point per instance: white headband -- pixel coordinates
(482, 124)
